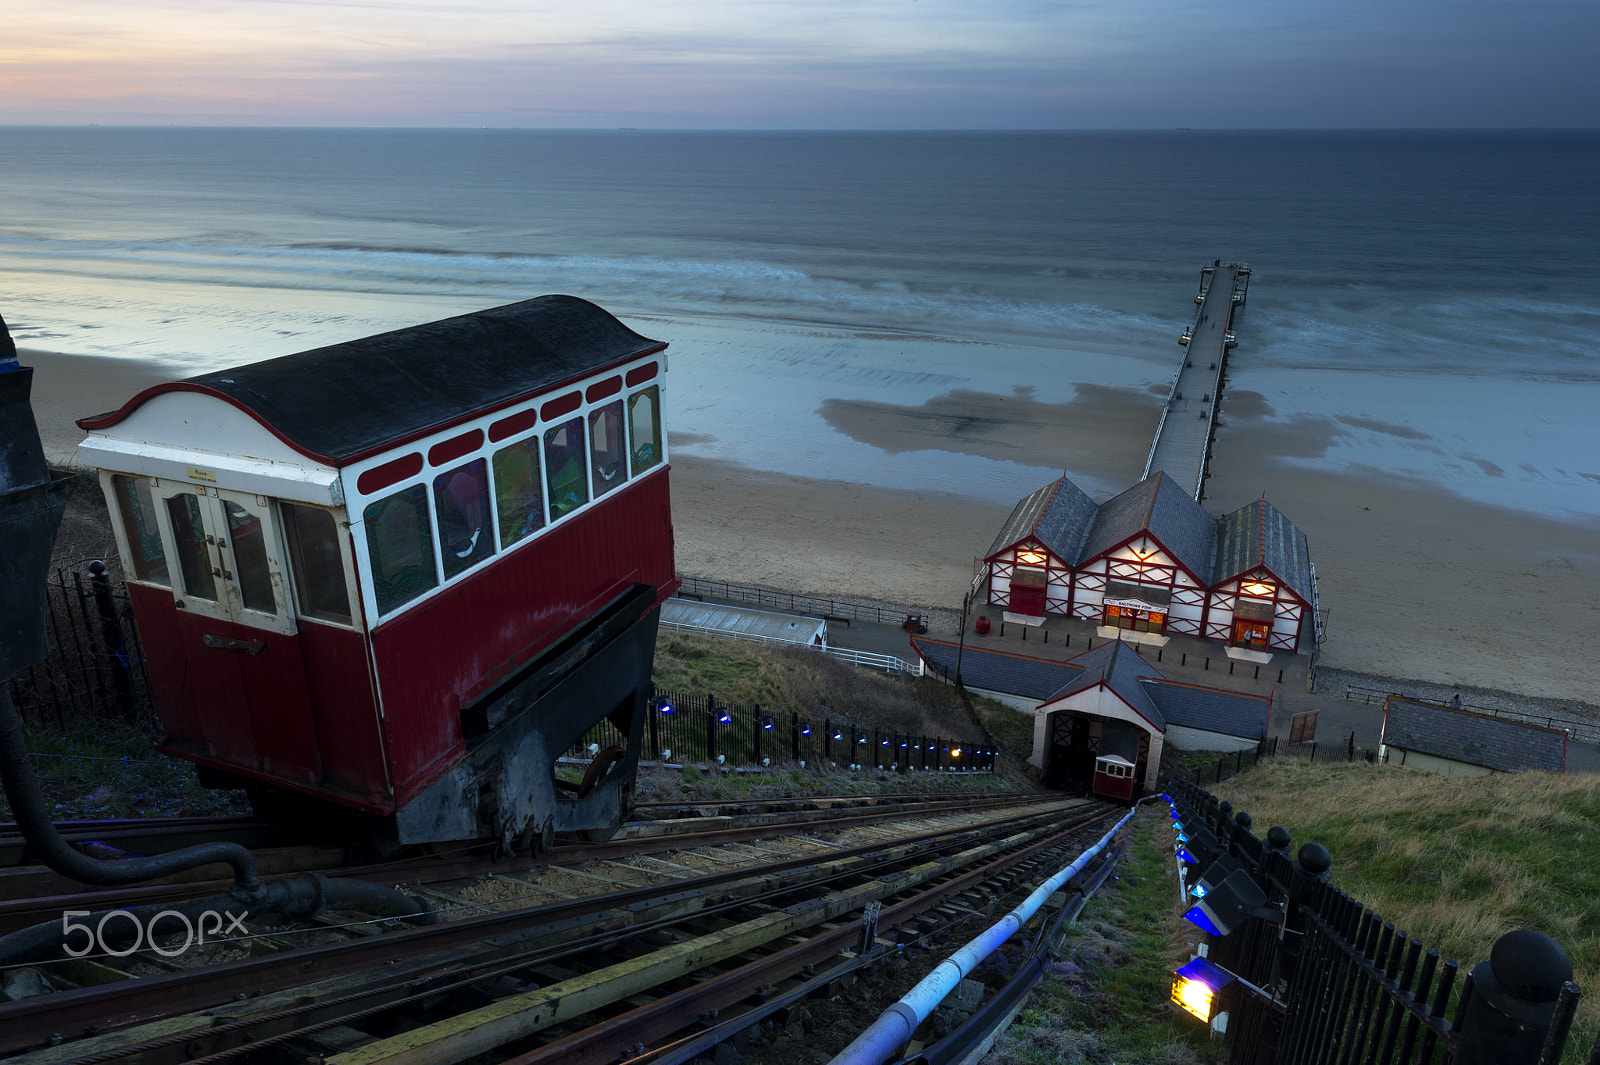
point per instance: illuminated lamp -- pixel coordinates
(766, 723)
(838, 735)
(1195, 987)
(955, 752)
(1031, 557)
(1256, 588)
(1236, 897)
(805, 728)
(1199, 848)
(723, 717)
(666, 706)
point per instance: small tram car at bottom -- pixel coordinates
(1116, 761)
(406, 573)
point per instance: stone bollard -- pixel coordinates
(1513, 1000)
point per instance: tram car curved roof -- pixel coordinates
(343, 402)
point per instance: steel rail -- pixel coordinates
(67, 1013)
(57, 894)
(665, 1016)
(421, 990)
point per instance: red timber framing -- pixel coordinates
(1256, 611)
(1028, 578)
(1143, 562)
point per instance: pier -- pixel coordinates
(1182, 444)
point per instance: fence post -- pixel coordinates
(111, 639)
(794, 735)
(652, 707)
(755, 729)
(711, 732)
(1522, 993)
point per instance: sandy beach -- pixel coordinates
(1418, 583)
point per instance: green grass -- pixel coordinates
(111, 770)
(1454, 861)
(1105, 998)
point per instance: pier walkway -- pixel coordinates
(1182, 445)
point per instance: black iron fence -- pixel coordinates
(95, 667)
(1322, 980)
(685, 727)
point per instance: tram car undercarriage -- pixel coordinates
(406, 574)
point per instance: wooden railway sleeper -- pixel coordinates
(382, 991)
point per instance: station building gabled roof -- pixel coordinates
(1159, 506)
(338, 403)
(1258, 535)
(998, 671)
(1121, 669)
(1057, 515)
(1473, 738)
(1211, 709)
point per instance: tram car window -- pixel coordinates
(404, 575)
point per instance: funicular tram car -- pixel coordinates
(1116, 761)
(404, 574)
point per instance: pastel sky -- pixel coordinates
(1074, 64)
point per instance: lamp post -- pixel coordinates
(961, 644)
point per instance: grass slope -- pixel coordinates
(1455, 861)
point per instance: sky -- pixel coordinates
(782, 64)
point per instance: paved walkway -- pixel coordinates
(1185, 659)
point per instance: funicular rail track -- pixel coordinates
(31, 894)
(508, 973)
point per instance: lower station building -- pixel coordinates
(1100, 720)
(1151, 562)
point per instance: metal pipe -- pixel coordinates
(897, 1023)
(28, 807)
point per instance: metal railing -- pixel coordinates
(1323, 980)
(867, 659)
(1576, 728)
(94, 668)
(830, 609)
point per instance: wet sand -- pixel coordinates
(1417, 583)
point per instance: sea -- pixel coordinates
(1435, 295)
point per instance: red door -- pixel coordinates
(1028, 592)
(1027, 601)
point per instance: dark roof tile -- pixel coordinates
(1477, 739)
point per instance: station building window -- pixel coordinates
(138, 513)
(565, 466)
(1122, 617)
(400, 547)
(607, 448)
(644, 428)
(518, 493)
(315, 562)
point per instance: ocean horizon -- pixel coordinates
(1424, 304)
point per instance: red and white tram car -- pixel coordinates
(1116, 761)
(405, 573)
